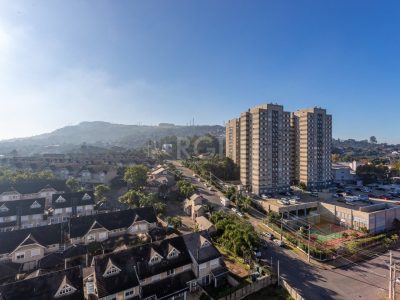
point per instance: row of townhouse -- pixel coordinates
(32, 190)
(168, 269)
(16, 214)
(30, 245)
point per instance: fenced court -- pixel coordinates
(328, 233)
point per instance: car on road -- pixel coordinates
(336, 195)
(234, 209)
(240, 214)
(268, 235)
(278, 242)
(264, 196)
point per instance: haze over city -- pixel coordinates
(170, 61)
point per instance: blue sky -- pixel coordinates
(63, 62)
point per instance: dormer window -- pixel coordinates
(155, 257)
(173, 253)
(35, 205)
(60, 199)
(65, 289)
(4, 208)
(86, 197)
(112, 270)
(204, 242)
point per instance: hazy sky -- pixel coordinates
(63, 62)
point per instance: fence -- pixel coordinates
(250, 289)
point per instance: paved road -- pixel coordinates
(211, 196)
(366, 280)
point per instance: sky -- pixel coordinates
(146, 62)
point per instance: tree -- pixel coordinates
(247, 202)
(130, 198)
(136, 176)
(160, 208)
(185, 188)
(176, 222)
(373, 140)
(73, 184)
(100, 192)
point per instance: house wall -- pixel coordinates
(122, 295)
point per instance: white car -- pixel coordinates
(240, 214)
(234, 209)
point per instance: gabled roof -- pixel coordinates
(79, 226)
(134, 264)
(23, 207)
(198, 250)
(43, 235)
(29, 240)
(96, 225)
(73, 199)
(46, 286)
(33, 187)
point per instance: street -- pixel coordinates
(365, 280)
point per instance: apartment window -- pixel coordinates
(129, 293)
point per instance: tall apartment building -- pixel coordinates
(265, 149)
(232, 137)
(277, 148)
(313, 147)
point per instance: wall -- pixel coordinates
(250, 289)
(293, 292)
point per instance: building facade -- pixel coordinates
(313, 147)
(277, 148)
(265, 149)
(232, 137)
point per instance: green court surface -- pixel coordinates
(327, 232)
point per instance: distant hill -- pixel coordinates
(101, 134)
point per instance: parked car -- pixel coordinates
(240, 214)
(278, 242)
(234, 209)
(336, 195)
(363, 197)
(314, 194)
(268, 235)
(264, 196)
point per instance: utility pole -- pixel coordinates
(308, 248)
(278, 273)
(272, 270)
(390, 274)
(394, 282)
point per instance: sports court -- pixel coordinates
(328, 233)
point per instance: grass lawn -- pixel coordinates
(271, 292)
